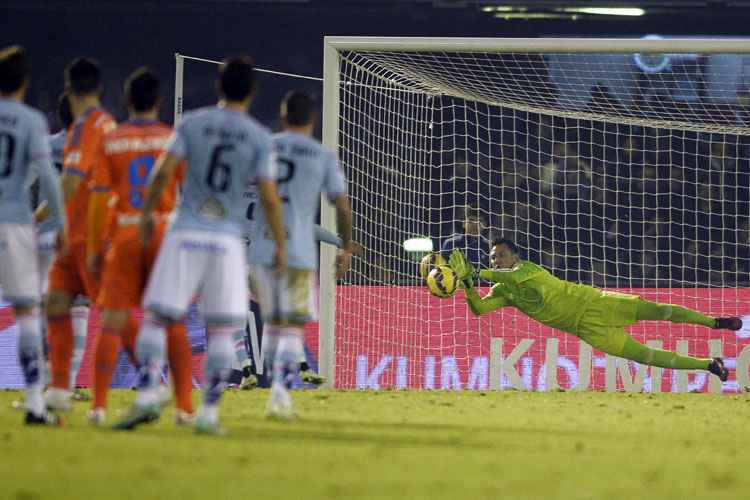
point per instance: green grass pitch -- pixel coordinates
(419, 444)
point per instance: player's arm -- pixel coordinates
(326, 236)
(41, 165)
(344, 223)
(465, 272)
(163, 170)
(69, 183)
(269, 198)
(483, 305)
(97, 211)
(50, 187)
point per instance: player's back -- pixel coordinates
(81, 151)
(305, 170)
(23, 140)
(225, 151)
(130, 152)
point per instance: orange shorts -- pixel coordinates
(127, 266)
(70, 274)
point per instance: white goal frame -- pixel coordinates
(334, 45)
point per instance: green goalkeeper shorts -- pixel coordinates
(602, 323)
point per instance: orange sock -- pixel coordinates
(129, 336)
(180, 357)
(60, 341)
(105, 360)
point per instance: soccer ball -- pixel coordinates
(429, 262)
(442, 282)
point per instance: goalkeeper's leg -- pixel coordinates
(647, 310)
(650, 356)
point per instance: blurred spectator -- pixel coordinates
(470, 240)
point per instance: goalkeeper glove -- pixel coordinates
(462, 268)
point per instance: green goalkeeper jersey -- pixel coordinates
(540, 295)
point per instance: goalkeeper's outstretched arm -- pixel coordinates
(466, 274)
(479, 305)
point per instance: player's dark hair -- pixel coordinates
(473, 212)
(83, 76)
(142, 89)
(237, 78)
(508, 243)
(298, 108)
(15, 68)
(64, 113)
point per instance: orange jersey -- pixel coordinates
(79, 159)
(126, 157)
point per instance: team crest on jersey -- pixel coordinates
(213, 208)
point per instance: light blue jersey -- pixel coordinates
(57, 144)
(24, 155)
(226, 152)
(306, 169)
(251, 199)
(251, 202)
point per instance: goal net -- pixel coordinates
(621, 164)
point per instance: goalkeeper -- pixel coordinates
(595, 316)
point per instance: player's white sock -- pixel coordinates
(31, 359)
(219, 357)
(286, 362)
(271, 334)
(79, 316)
(150, 348)
(240, 351)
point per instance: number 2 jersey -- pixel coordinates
(305, 170)
(126, 158)
(226, 151)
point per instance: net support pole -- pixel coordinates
(179, 62)
(327, 325)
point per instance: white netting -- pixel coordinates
(604, 172)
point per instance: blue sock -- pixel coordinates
(219, 357)
(286, 361)
(271, 335)
(150, 350)
(31, 360)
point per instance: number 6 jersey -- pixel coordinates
(226, 151)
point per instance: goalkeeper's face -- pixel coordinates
(502, 257)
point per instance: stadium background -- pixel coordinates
(287, 36)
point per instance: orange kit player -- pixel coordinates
(69, 276)
(125, 160)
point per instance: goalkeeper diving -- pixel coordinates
(595, 316)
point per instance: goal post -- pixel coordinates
(618, 163)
